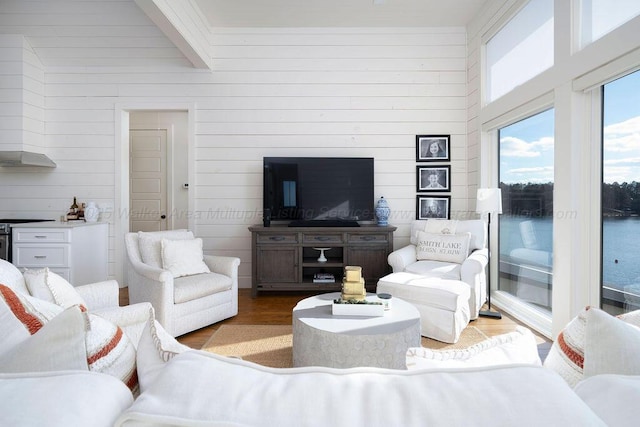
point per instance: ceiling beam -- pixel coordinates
(184, 24)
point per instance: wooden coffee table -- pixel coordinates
(322, 339)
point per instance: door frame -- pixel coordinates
(119, 215)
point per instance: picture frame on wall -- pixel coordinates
(432, 148)
(428, 207)
(433, 178)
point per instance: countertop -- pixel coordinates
(56, 224)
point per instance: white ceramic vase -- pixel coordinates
(91, 212)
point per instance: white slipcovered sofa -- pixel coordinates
(470, 269)
(183, 387)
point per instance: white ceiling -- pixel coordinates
(339, 13)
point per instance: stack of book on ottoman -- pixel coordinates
(353, 300)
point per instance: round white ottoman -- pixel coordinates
(338, 341)
(443, 304)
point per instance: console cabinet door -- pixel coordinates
(277, 264)
(373, 260)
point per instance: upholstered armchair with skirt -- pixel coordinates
(188, 290)
(469, 268)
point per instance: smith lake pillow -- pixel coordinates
(443, 247)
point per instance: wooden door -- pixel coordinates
(148, 180)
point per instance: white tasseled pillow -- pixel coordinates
(49, 286)
(514, 347)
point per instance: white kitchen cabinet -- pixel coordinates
(79, 252)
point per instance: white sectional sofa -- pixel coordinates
(184, 387)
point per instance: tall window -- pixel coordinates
(522, 49)
(621, 195)
(526, 225)
(599, 17)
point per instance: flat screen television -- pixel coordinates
(319, 191)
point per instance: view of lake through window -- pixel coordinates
(526, 225)
(621, 194)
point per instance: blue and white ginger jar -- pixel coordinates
(382, 211)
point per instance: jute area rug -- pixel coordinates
(270, 345)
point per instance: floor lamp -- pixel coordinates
(489, 201)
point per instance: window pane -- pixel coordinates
(599, 17)
(621, 195)
(522, 49)
(526, 225)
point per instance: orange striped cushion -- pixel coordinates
(566, 355)
(31, 312)
(109, 350)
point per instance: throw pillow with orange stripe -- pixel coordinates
(109, 350)
(566, 355)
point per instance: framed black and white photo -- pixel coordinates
(432, 148)
(433, 207)
(433, 178)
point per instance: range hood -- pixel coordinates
(25, 158)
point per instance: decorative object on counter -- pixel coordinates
(322, 258)
(77, 212)
(353, 284)
(91, 212)
(72, 214)
(382, 211)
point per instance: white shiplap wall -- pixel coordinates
(294, 92)
(326, 92)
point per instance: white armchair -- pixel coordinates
(470, 271)
(182, 304)
(102, 298)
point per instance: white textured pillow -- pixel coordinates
(149, 244)
(183, 257)
(58, 345)
(514, 347)
(611, 345)
(49, 286)
(443, 247)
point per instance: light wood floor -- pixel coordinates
(275, 309)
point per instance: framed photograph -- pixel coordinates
(432, 148)
(433, 207)
(433, 178)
